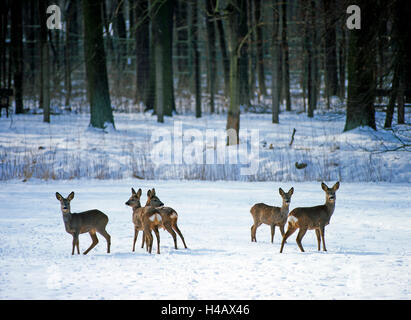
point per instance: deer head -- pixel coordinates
(134, 200)
(153, 200)
(286, 196)
(330, 192)
(65, 202)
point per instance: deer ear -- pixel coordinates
(336, 186)
(153, 192)
(149, 193)
(324, 186)
(139, 193)
(291, 191)
(70, 196)
(281, 191)
(133, 191)
(58, 196)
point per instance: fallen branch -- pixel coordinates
(292, 137)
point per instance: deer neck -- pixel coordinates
(285, 208)
(67, 220)
(136, 207)
(330, 206)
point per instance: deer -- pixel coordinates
(273, 216)
(312, 218)
(144, 219)
(91, 221)
(169, 216)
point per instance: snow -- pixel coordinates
(212, 187)
(184, 148)
(367, 240)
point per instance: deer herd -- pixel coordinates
(154, 215)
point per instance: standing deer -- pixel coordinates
(90, 221)
(312, 218)
(169, 216)
(273, 216)
(144, 219)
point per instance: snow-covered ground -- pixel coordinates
(369, 256)
(68, 149)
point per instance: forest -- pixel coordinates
(300, 72)
(238, 115)
(224, 56)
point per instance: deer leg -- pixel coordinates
(135, 238)
(322, 233)
(317, 233)
(300, 236)
(170, 230)
(289, 232)
(158, 238)
(105, 234)
(94, 243)
(272, 233)
(175, 227)
(282, 231)
(254, 231)
(143, 241)
(75, 243)
(149, 241)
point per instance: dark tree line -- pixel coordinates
(245, 51)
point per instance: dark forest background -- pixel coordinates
(207, 56)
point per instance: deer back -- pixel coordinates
(312, 217)
(268, 214)
(85, 221)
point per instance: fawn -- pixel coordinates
(144, 219)
(169, 216)
(90, 221)
(273, 216)
(312, 218)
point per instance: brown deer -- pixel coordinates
(169, 216)
(312, 218)
(90, 221)
(144, 219)
(273, 216)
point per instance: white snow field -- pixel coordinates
(68, 149)
(368, 242)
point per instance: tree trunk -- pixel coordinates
(17, 52)
(224, 54)
(393, 98)
(310, 59)
(341, 64)
(70, 44)
(276, 74)
(181, 20)
(44, 64)
(211, 52)
(120, 37)
(236, 12)
(196, 55)
(243, 56)
(4, 9)
(285, 56)
(361, 64)
(252, 50)
(101, 113)
(142, 36)
(162, 32)
(330, 45)
(260, 48)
